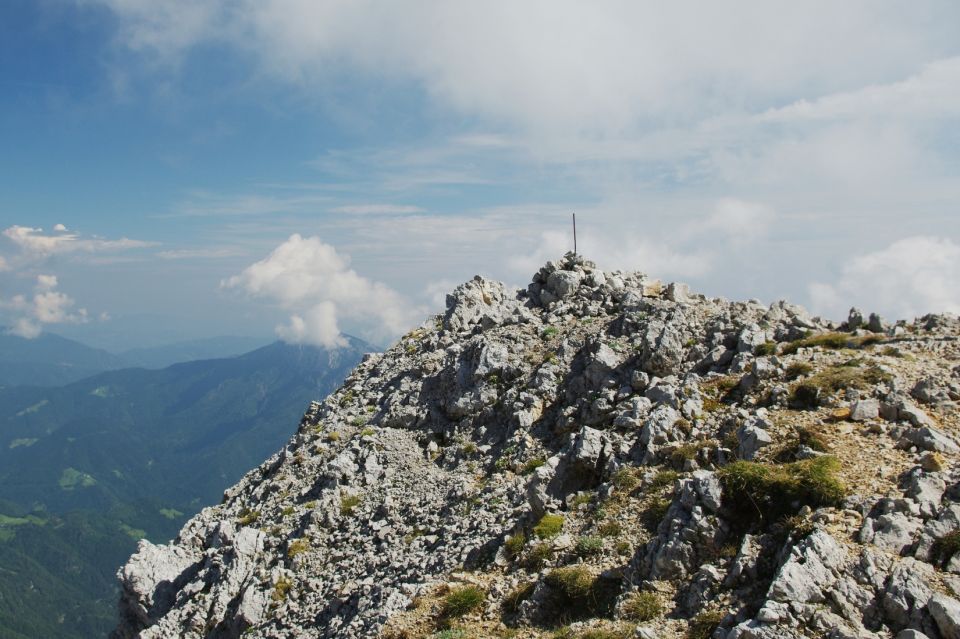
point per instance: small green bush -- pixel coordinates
(589, 546)
(758, 494)
(462, 601)
(832, 341)
(549, 526)
(366, 432)
(548, 332)
(642, 606)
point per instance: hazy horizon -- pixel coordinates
(175, 170)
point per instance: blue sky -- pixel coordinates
(304, 168)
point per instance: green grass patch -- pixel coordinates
(23, 441)
(664, 477)
(832, 341)
(549, 526)
(247, 516)
(760, 494)
(811, 392)
(171, 513)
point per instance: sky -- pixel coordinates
(174, 169)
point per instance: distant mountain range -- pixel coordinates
(50, 360)
(53, 360)
(89, 467)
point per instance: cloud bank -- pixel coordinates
(313, 282)
(911, 277)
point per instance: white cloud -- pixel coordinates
(911, 277)
(34, 244)
(4, 265)
(59, 228)
(314, 282)
(46, 306)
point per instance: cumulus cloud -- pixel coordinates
(46, 306)
(35, 244)
(315, 284)
(911, 277)
(59, 228)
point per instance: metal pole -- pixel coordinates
(574, 233)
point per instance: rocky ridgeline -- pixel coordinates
(597, 456)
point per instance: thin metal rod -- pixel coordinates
(574, 233)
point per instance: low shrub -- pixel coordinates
(642, 606)
(759, 494)
(589, 546)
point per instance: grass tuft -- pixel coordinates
(462, 601)
(759, 494)
(642, 606)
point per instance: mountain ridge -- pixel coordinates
(87, 468)
(598, 455)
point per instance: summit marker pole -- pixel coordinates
(574, 233)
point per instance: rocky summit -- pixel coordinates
(597, 456)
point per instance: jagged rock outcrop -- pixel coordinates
(598, 450)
